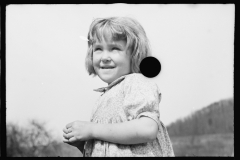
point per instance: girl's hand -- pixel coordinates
(77, 131)
(78, 144)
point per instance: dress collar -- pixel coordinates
(104, 89)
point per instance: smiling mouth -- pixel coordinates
(107, 67)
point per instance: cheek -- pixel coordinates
(129, 66)
(95, 60)
(126, 63)
(94, 64)
(128, 60)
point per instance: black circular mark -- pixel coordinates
(150, 67)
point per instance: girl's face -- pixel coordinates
(111, 59)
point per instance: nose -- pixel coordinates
(105, 57)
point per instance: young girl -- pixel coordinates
(125, 121)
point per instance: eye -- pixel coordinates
(115, 48)
(97, 49)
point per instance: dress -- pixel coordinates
(129, 97)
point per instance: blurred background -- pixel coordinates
(47, 85)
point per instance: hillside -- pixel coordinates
(215, 118)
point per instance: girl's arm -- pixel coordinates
(131, 132)
(135, 131)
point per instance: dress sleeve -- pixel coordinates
(142, 98)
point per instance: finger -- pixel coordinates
(69, 125)
(69, 135)
(65, 140)
(69, 130)
(65, 136)
(65, 130)
(72, 139)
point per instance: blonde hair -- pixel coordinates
(120, 28)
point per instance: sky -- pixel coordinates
(46, 77)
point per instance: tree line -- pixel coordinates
(218, 117)
(35, 140)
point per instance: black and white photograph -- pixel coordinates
(119, 80)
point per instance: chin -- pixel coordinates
(106, 79)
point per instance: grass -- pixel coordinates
(204, 145)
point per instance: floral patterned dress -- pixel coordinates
(129, 97)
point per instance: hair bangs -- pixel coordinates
(108, 31)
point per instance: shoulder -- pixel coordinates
(137, 78)
(138, 88)
(138, 82)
